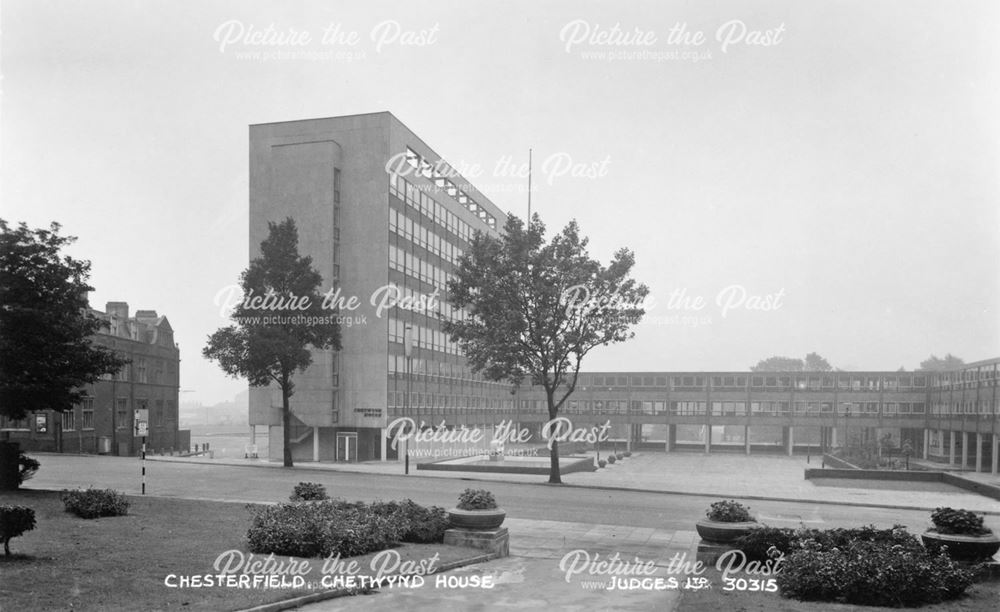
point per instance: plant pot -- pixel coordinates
(723, 533)
(476, 519)
(963, 547)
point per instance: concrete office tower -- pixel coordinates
(384, 220)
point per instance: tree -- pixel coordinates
(534, 310)
(47, 352)
(282, 286)
(812, 363)
(933, 364)
(778, 364)
(815, 363)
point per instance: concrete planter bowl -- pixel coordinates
(963, 547)
(477, 519)
(723, 533)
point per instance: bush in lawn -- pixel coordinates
(419, 524)
(871, 573)
(308, 491)
(329, 527)
(628, 453)
(94, 503)
(786, 540)
(602, 463)
(612, 459)
(14, 521)
(27, 466)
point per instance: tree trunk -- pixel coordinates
(554, 476)
(286, 427)
(6, 547)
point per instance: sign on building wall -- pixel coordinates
(41, 423)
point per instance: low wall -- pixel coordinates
(954, 480)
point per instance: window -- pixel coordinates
(141, 370)
(121, 413)
(87, 413)
(69, 420)
(158, 413)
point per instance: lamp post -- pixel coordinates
(408, 353)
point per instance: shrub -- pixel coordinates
(94, 503)
(628, 453)
(27, 467)
(419, 524)
(756, 544)
(612, 459)
(14, 521)
(476, 499)
(963, 522)
(871, 573)
(308, 491)
(322, 529)
(620, 455)
(729, 511)
(602, 463)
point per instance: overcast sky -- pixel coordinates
(844, 165)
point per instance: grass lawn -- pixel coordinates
(121, 563)
(980, 597)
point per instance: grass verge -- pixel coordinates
(122, 563)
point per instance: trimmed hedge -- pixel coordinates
(94, 503)
(333, 527)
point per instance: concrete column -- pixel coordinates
(927, 441)
(965, 449)
(951, 447)
(671, 437)
(316, 444)
(833, 437)
(791, 440)
(993, 455)
(979, 452)
(708, 439)
(382, 444)
(746, 438)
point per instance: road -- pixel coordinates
(521, 500)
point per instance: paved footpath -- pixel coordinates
(771, 477)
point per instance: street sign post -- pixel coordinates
(141, 422)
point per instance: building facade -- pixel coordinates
(385, 220)
(104, 421)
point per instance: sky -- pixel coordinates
(819, 176)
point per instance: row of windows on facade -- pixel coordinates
(143, 374)
(684, 408)
(413, 266)
(442, 184)
(845, 382)
(425, 237)
(423, 338)
(85, 411)
(432, 369)
(990, 372)
(434, 212)
(445, 404)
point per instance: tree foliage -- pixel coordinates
(536, 309)
(283, 286)
(935, 364)
(813, 362)
(47, 352)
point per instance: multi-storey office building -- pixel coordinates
(104, 421)
(382, 215)
(384, 220)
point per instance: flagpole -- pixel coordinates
(529, 186)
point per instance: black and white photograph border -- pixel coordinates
(444, 305)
